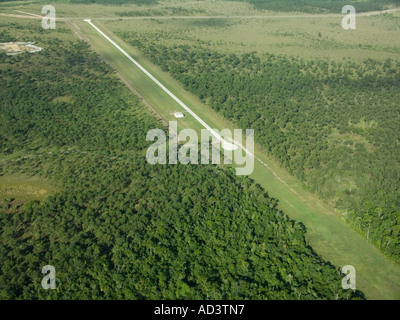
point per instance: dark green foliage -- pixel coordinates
(120, 228)
(333, 125)
(123, 229)
(58, 106)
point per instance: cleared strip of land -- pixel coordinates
(175, 98)
(332, 238)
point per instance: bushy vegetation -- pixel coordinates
(333, 125)
(120, 228)
(318, 6)
(113, 2)
(105, 2)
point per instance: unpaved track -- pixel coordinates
(374, 13)
(19, 16)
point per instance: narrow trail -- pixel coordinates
(30, 14)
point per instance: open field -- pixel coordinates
(308, 37)
(174, 8)
(163, 8)
(23, 189)
(327, 234)
(240, 28)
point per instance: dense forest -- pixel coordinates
(119, 228)
(333, 125)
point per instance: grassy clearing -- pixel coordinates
(164, 8)
(327, 233)
(308, 36)
(376, 37)
(22, 188)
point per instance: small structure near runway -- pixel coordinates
(178, 114)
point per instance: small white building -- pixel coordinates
(178, 115)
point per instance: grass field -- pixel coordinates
(376, 37)
(172, 8)
(22, 188)
(301, 35)
(327, 233)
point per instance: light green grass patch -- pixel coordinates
(20, 189)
